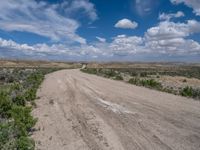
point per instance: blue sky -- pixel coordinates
(100, 30)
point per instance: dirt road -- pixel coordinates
(78, 111)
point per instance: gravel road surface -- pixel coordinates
(78, 111)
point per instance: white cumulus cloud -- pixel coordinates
(126, 24)
(126, 45)
(169, 30)
(170, 38)
(164, 16)
(194, 4)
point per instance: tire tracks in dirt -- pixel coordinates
(78, 111)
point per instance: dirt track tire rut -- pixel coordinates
(78, 111)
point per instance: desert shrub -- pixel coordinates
(35, 79)
(7, 136)
(10, 79)
(90, 70)
(17, 94)
(170, 90)
(23, 119)
(16, 121)
(110, 73)
(151, 83)
(196, 93)
(190, 92)
(30, 94)
(133, 74)
(143, 74)
(5, 105)
(25, 143)
(137, 72)
(19, 99)
(2, 78)
(134, 81)
(16, 86)
(187, 91)
(118, 77)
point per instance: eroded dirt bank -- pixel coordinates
(78, 111)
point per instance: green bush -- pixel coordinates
(187, 91)
(109, 73)
(23, 119)
(19, 99)
(196, 93)
(118, 77)
(5, 105)
(25, 143)
(133, 74)
(169, 90)
(143, 74)
(7, 136)
(151, 83)
(137, 72)
(90, 70)
(134, 81)
(35, 80)
(16, 121)
(30, 94)
(190, 92)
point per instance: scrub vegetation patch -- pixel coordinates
(181, 80)
(18, 89)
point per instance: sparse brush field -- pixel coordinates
(177, 79)
(17, 94)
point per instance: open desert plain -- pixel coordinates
(76, 110)
(100, 106)
(99, 74)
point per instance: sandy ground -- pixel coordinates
(40, 64)
(177, 82)
(78, 111)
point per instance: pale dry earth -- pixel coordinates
(37, 64)
(78, 111)
(178, 81)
